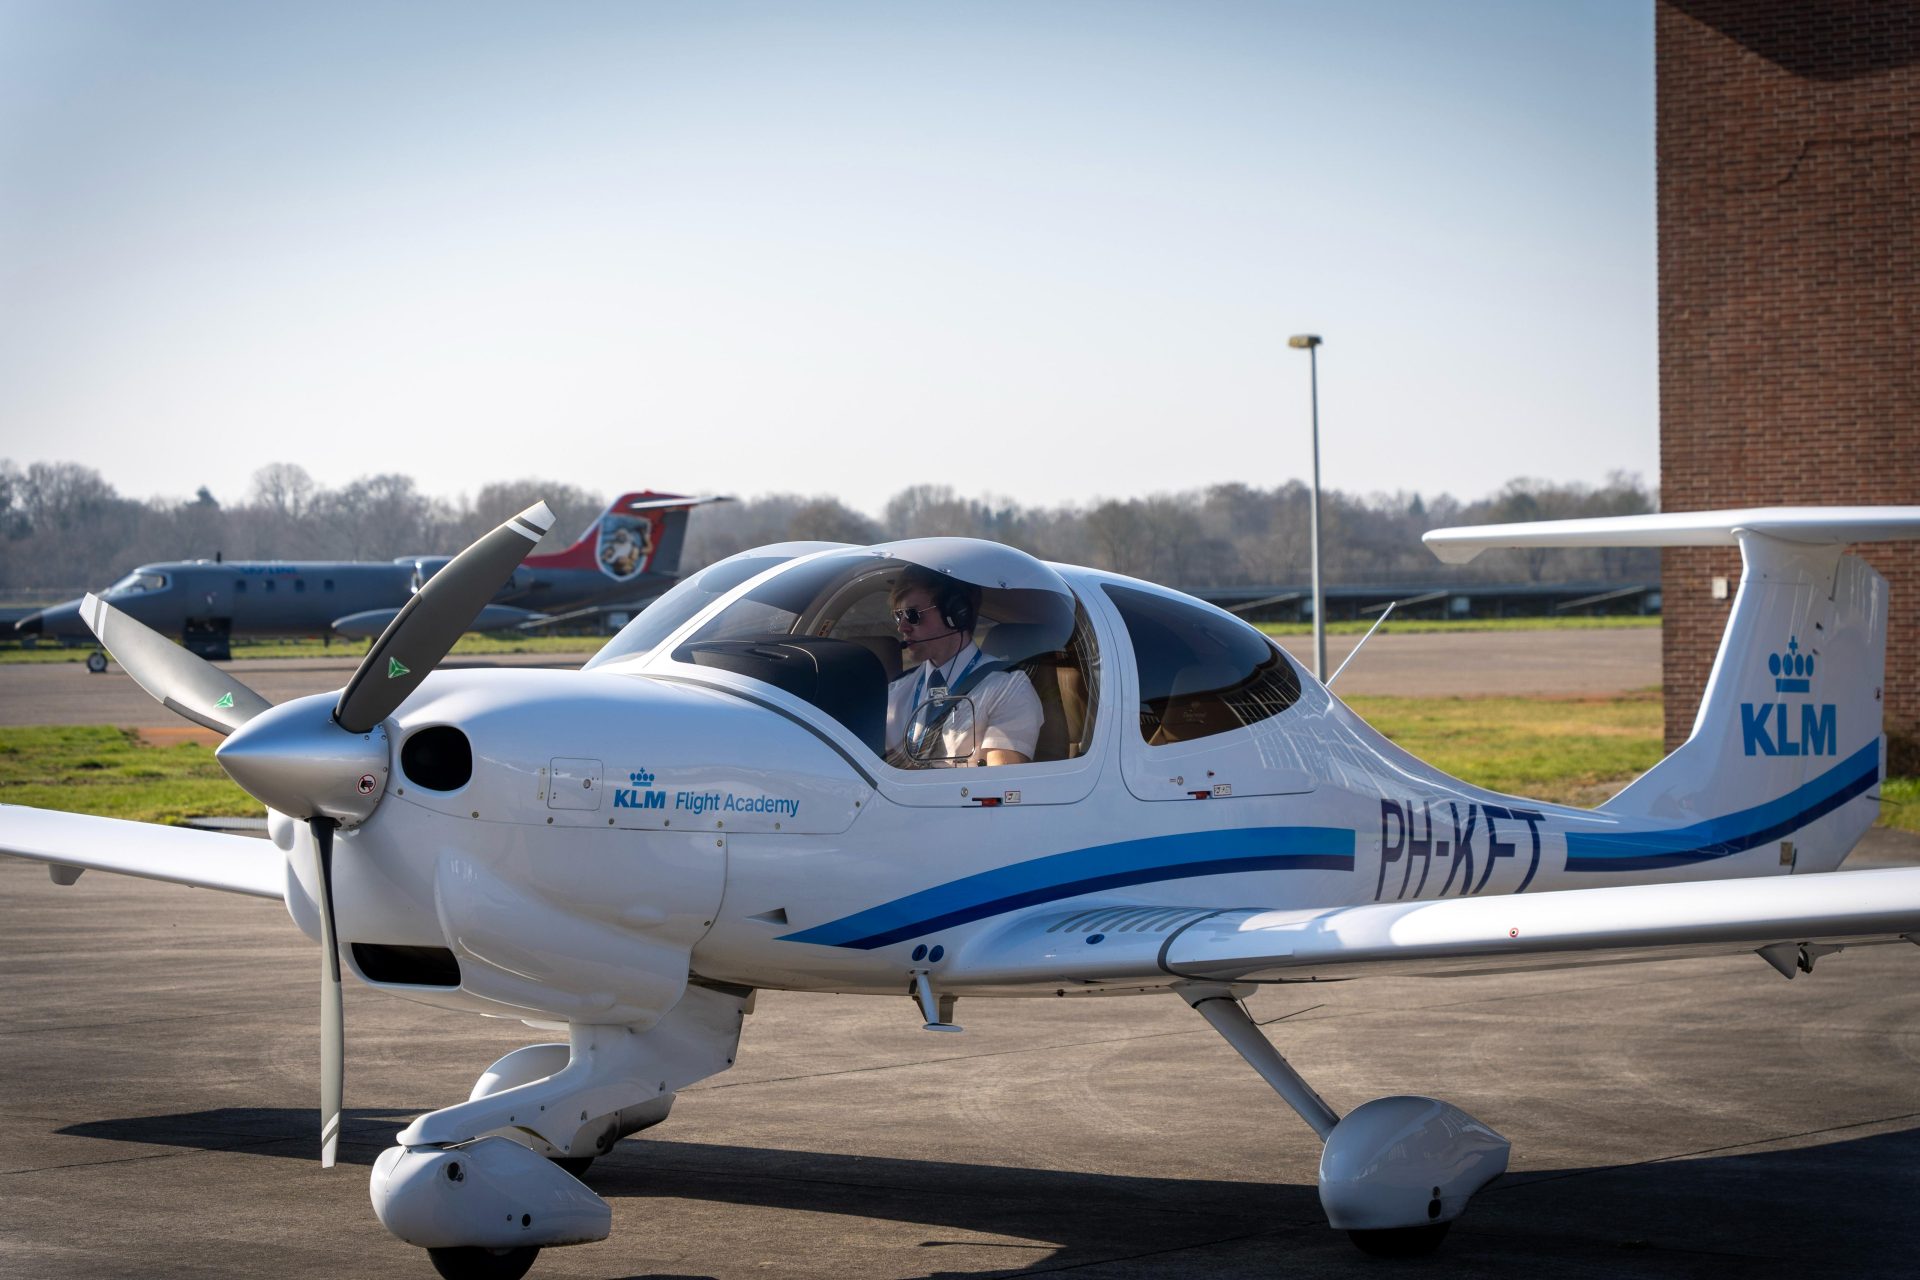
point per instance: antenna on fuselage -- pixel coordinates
(1363, 640)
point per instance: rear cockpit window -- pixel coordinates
(1201, 672)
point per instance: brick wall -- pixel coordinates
(1789, 293)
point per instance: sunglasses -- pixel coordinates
(914, 616)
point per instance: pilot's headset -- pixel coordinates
(958, 605)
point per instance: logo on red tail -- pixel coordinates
(624, 546)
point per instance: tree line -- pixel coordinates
(62, 526)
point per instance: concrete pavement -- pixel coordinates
(1696, 1118)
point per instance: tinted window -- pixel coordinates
(1201, 673)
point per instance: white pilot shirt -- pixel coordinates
(1006, 710)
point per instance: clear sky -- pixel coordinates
(1049, 251)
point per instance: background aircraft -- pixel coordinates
(628, 555)
(625, 854)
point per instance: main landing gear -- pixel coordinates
(1395, 1172)
(483, 1186)
(97, 662)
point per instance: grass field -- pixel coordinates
(510, 642)
(111, 772)
(1572, 750)
(338, 649)
(313, 648)
(1427, 626)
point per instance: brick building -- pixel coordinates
(1789, 294)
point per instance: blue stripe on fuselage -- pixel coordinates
(1731, 833)
(1067, 875)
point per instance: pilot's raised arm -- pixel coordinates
(935, 615)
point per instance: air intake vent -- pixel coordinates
(407, 966)
(439, 759)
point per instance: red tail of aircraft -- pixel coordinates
(638, 533)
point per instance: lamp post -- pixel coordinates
(1310, 343)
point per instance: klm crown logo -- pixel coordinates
(638, 796)
(1792, 670)
(1790, 729)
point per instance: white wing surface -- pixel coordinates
(1788, 919)
(204, 859)
(1815, 525)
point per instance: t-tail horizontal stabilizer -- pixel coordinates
(1783, 761)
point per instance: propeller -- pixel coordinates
(180, 680)
(318, 758)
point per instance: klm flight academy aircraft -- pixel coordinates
(628, 555)
(720, 801)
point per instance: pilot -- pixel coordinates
(935, 617)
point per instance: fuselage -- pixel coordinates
(655, 817)
(307, 597)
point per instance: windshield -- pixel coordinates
(687, 597)
(872, 635)
(138, 581)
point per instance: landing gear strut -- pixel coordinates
(1395, 1172)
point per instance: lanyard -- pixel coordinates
(920, 686)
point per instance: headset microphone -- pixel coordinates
(939, 635)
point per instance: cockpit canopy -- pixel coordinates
(821, 626)
(139, 582)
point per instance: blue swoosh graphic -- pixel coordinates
(1731, 833)
(1067, 875)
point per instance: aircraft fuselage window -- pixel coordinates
(1201, 672)
(239, 586)
(268, 585)
(299, 586)
(326, 584)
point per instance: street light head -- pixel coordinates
(1304, 341)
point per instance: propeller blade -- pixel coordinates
(438, 614)
(333, 1036)
(184, 682)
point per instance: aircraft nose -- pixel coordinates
(60, 620)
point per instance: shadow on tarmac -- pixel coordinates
(1849, 1206)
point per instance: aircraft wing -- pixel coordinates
(1788, 920)
(181, 855)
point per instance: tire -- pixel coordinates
(474, 1263)
(1400, 1242)
(97, 663)
(575, 1165)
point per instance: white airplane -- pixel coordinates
(624, 854)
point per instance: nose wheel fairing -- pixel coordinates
(453, 1183)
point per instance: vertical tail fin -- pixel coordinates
(1787, 745)
(639, 534)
